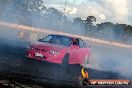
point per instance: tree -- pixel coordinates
(90, 19)
(78, 20)
(89, 25)
(36, 5)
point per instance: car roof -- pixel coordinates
(65, 36)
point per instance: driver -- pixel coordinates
(75, 43)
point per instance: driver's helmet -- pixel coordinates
(75, 42)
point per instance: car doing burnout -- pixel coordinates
(60, 49)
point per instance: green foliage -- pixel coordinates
(121, 31)
(36, 5)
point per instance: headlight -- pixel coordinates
(54, 52)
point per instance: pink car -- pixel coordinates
(60, 49)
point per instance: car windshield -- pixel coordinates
(57, 39)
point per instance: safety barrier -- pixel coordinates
(23, 27)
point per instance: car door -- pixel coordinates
(84, 50)
(74, 52)
(78, 54)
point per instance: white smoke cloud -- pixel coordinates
(117, 11)
(109, 10)
(70, 10)
(110, 58)
(76, 2)
(102, 16)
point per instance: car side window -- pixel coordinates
(75, 42)
(82, 44)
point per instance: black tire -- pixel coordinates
(65, 61)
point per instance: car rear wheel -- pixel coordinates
(65, 61)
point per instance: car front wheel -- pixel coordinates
(65, 61)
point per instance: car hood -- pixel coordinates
(48, 46)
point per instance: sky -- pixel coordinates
(116, 11)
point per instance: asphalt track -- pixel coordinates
(15, 66)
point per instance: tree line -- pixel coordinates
(35, 13)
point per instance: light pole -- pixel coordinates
(63, 16)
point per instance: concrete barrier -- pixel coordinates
(23, 27)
